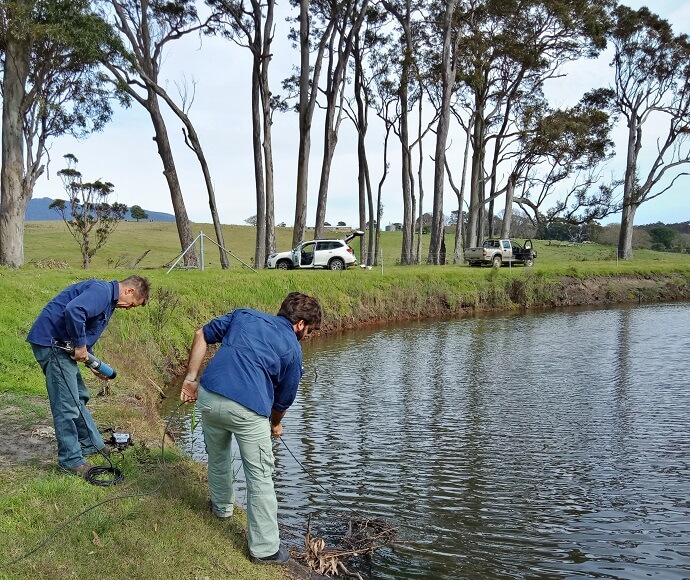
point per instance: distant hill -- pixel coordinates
(38, 211)
(680, 227)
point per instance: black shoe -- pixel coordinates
(280, 558)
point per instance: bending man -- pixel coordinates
(77, 315)
(245, 391)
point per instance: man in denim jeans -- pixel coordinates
(245, 391)
(78, 315)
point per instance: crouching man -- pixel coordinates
(245, 391)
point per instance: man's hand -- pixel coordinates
(189, 391)
(275, 419)
(99, 375)
(80, 354)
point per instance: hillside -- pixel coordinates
(38, 211)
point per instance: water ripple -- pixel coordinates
(540, 446)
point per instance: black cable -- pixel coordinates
(314, 479)
(61, 527)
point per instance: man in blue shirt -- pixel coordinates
(77, 315)
(245, 391)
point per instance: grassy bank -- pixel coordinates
(169, 533)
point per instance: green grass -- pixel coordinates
(169, 534)
(166, 533)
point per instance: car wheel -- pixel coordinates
(283, 265)
(496, 261)
(529, 262)
(336, 264)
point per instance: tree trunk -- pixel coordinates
(300, 224)
(193, 142)
(626, 233)
(458, 257)
(260, 247)
(195, 145)
(476, 179)
(270, 244)
(14, 197)
(379, 205)
(630, 199)
(270, 230)
(170, 172)
(448, 77)
(329, 142)
(363, 180)
(508, 211)
(420, 173)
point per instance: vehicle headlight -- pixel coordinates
(272, 256)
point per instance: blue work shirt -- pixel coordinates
(78, 314)
(259, 362)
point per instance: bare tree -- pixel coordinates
(364, 44)
(249, 23)
(402, 56)
(450, 42)
(191, 139)
(348, 17)
(146, 27)
(305, 86)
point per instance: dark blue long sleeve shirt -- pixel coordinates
(78, 314)
(259, 362)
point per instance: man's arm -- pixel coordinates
(276, 418)
(190, 386)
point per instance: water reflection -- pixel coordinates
(549, 445)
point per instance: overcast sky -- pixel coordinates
(125, 153)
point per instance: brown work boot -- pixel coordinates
(105, 452)
(80, 470)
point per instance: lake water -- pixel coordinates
(538, 445)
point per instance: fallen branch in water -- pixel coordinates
(363, 536)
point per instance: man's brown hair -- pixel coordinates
(298, 306)
(141, 286)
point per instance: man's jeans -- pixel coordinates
(75, 430)
(221, 419)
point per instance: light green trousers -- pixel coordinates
(222, 418)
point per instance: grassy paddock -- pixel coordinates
(170, 534)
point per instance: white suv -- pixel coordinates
(331, 254)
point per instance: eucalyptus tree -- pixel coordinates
(509, 49)
(443, 14)
(402, 56)
(347, 16)
(312, 35)
(365, 45)
(249, 23)
(652, 84)
(384, 102)
(51, 86)
(145, 28)
(557, 156)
